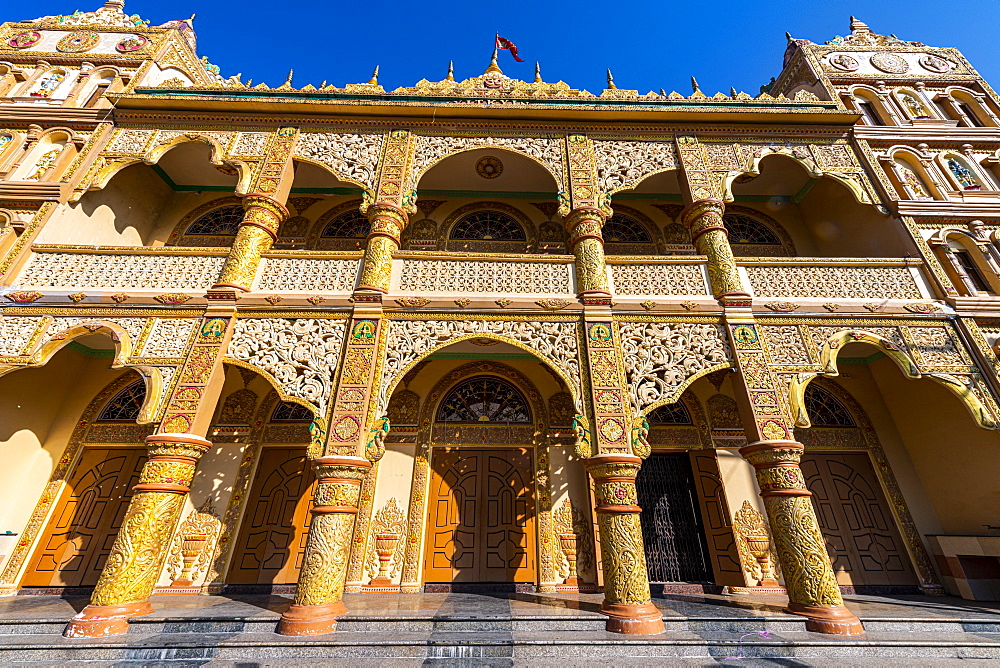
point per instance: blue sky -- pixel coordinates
(648, 45)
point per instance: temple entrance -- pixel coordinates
(78, 538)
(859, 528)
(672, 529)
(481, 525)
(275, 525)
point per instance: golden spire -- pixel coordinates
(694, 86)
(451, 71)
(611, 81)
(115, 4)
(493, 65)
(288, 81)
(538, 72)
(374, 80)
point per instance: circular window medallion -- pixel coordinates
(78, 42)
(934, 64)
(890, 62)
(23, 40)
(131, 43)
(489, 167)
(844, 62)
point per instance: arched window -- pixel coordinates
(623, 229)
(826, 410)
(488, 225)
(913, 184)
(224, 220)
(963, 174)
(484, 399)
(47, 85)
(287, 411)
(348, 225)
(675, 413)
(868, 109)
(747, 231)
(125, 405)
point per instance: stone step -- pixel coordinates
(583, 622)
(498, 648)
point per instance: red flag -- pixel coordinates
(507, 45)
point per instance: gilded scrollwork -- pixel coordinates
(351, 156)
(622, 164)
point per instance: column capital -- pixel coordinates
(703, 216)
(584, 222)
(186, 446)
(265, 212)
(387, 220)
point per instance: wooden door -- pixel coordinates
(858, 526)
(275, 524)
(78, 538)
(481, 525)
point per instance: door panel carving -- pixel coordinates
(671, 520)
(79, 536)
(481, 524)
(724, 553)
(275, 524)
(859, 528)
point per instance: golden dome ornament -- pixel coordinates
(489, 167)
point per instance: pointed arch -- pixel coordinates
(472, 145)
(804, 160)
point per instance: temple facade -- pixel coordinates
(494, 334)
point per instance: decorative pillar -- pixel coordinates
(583, 225)
(809, 578)
(138, 554)
(318, 598)
(703, 219)
(257, 233)
(627, 601)
(387, 224)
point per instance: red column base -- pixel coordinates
(636, 620)
(381, 582)
(98, 621)
(834, 620)
(572, 582)
(311, 620)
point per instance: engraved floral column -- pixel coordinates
(809, 578)
(257, 233)
(387, 224)
(318, 598)
(264, 212)
(136, 558)
(583, 225)
(703, 219)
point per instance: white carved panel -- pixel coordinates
(301, 354)
(308, 274)
(132, 326)
(15, 332)
(847, 282)
(555, 342)
(121, 271)
(660, 357)
(250, 143)
(169, 337)
(658, 279)
(474, 276)
(623, 164)
(350, 156)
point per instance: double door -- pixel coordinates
(481, 524)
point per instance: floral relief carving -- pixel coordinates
(308, 275)
(408, 340)
(130, 142)
(15, 332)
(250, 143)
(623, 164)
(301, 354)
(786, 344)
(658, 279)
(937, 347)
(429, 149)
(479, 276)
(169, 337)
(390, 519)
(825, 282)
(659, 357)
(121, 271)
(351, 156)
(132, 326)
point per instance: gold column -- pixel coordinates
(703, 219)
(318, 597)
(627, 601)
(137, 556)
(809, 578)
(257, 232)
(583, 224)
(388, 222)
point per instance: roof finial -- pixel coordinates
(374, 80)
(493, 65)
(611, 81)
(288, 81)
(538, 72)
(451, 71)
(663, 93)
(859, 26)
(732, 91)
(114, 4)
(694, 86)
(788, 36)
